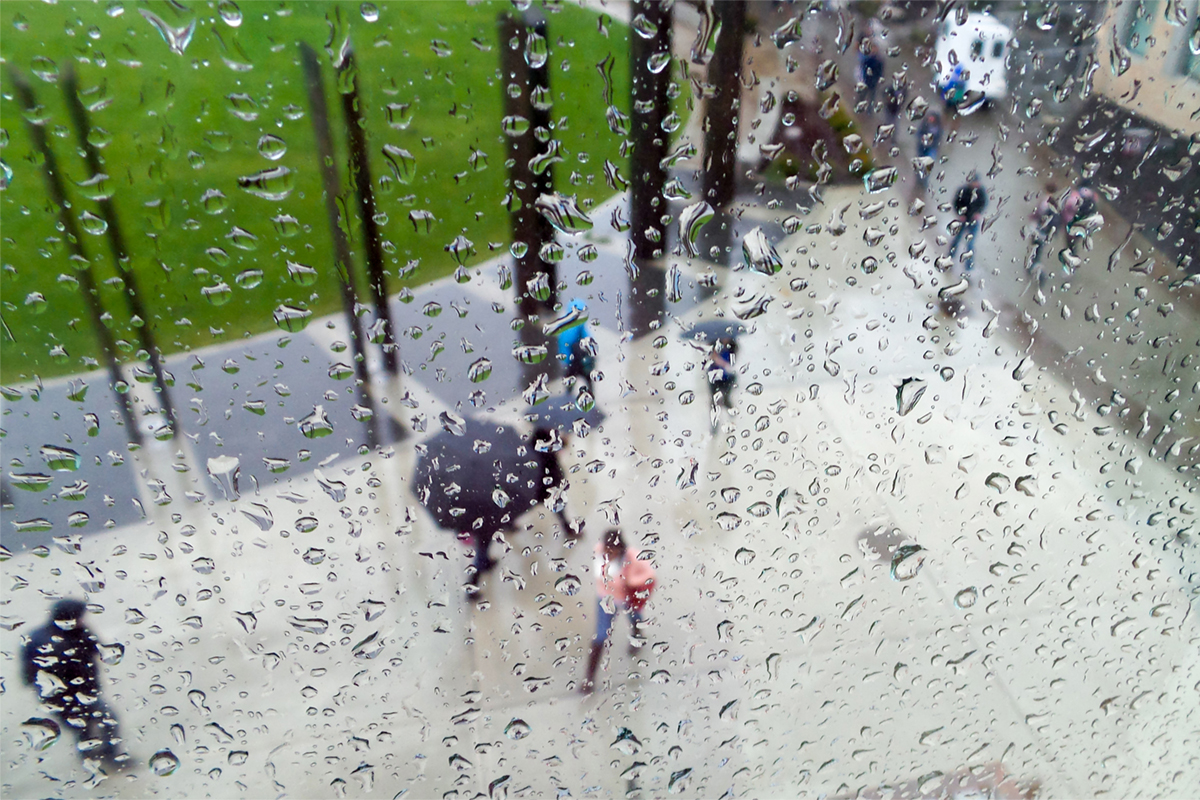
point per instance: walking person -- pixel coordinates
(1041, 231)
(623, 583)
(60, 661)
(719, 369)
(969, 204)
(870, 73)
(577, 349)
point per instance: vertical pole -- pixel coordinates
(360, 173)
(341, 247)
(647, 205)
(526, 88)
(721, 111)
(87, 279)
(116, 243)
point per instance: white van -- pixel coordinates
(980, 44)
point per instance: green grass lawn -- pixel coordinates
(179, 130)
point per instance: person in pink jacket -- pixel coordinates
(623, 581)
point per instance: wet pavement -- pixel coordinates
(914, 545)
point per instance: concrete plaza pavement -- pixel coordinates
(1048, 629)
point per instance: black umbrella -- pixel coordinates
(479, 481)
(562, 412)
(711, 330)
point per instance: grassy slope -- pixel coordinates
(161, 116)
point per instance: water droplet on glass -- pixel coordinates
(275, 183)
(568, 585)
(480, 370)
(537, 51)
(966, 598)
(61, 459)
(907, 562)
(218, 295)
(705, 44)
(40, 732)
(31, 482)
(260, 515)
(908, 393)
(530, 354)
(759, 254)
(164, 762)
(879, 180)
(316, 425)
(572, 317)
(92, 224)
(271, 147)
(539, 287)
(301, 274)
(292, 319)
(516, 729)
(402, 163)
(369, 11)
(231, 15)
(242, 239)
(286, 225)
(460, 249)
(691, 220)
(249, 278)
(563, 213)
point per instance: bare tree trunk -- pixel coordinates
(120, 252)
(341, 247)
(87, 279)
(721, 111)
(360, 173)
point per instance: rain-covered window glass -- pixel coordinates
(599, 399)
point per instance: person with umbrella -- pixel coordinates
(624, 581)
(718, 338)
(719, 368)
(477, 478)
(59, 661)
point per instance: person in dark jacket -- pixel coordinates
(969, 204)
(870, 73)
(59, 660)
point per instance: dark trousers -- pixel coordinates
(970, 230)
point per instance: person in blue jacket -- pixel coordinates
(576, 348)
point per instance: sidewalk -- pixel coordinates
(785, 658)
